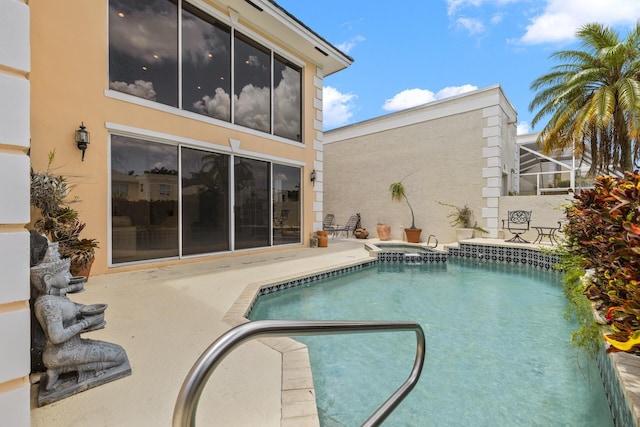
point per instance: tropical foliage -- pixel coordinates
(603, 231)
(59, 221)
(462, 217)
(592, 99)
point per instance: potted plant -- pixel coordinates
(462, 218)
(398, 194)
(59, 222)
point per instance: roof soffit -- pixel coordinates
(275, 22)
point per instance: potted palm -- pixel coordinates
(398, 194)
(59, 221)
(462, 218)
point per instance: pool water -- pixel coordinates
(498, 347)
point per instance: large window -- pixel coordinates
(143, 49)
(251, 203)
(205, 202)
(206, 64)
(155, 199)
(144, 62)
(286, 204)
(287, 105)
(252, 85)
(144, 201)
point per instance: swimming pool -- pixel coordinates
(498, 350)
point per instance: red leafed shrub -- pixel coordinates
(604, 229)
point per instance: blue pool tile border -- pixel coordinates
(509, 255)
(412, 258)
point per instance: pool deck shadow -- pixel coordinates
(165, 317)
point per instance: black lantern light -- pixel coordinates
(312, 177)
(82, 139)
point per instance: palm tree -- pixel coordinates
(593, 99)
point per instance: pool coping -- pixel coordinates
(619, 375)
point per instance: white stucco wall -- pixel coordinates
(450, 151)
(15, 338)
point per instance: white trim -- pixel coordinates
(234, 23)
(470, 101)
(121, 96)
(167, 138)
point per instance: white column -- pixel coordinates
(15, 340)
(318, 163)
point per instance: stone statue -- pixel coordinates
(62, 321)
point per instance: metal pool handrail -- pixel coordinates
(184, 414)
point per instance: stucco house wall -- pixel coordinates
(70, 85)
(451, 151)
(15, 340)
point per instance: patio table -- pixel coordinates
(548, 232)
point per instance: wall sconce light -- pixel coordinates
(82, 139)
(312, 176)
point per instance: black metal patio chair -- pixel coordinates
(517, 223)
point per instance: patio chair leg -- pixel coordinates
(517, 239)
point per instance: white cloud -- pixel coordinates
(454, 5)
(413, 97)
(497, 18)
(252, 108)
(347, 46)
(140, 88)
(337, 107)
(287, 104)
(217, 106)
(472, 25)
(561, 18)
(523, 128)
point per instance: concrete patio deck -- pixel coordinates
(165, 318)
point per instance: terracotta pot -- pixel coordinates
(384, 231)
(323, 241)
(76, 270)
(413, 234)
(361, 233)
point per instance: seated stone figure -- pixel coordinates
(63, 321)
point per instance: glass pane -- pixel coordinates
(144, 200)
(143, 49)
(286, 204)
(251, 203)
(252, 85)
(206, 65)
(205, 202)
(287, 106)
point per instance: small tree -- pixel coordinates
(398, 194)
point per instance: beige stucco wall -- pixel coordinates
(545, 210)
(448, 151)
(14, 214)
(69, 86)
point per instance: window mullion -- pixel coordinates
(180, 54)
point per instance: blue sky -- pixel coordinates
(409, 52)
